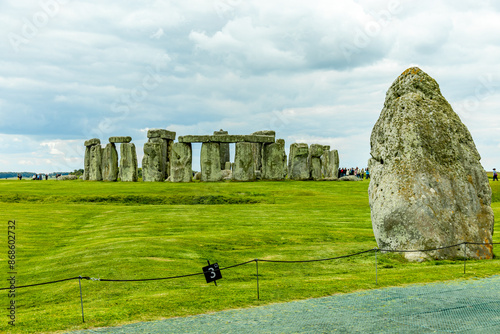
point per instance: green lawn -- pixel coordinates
(147, 230)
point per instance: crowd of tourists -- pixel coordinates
(359, 173)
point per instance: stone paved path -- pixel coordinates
(471, 306)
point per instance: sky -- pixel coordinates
(314, 71)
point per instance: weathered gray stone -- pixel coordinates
(92, 142)
(227, 174)
(86, 163)
(118, 140)
(225, 154)
(67, 178)
(110, 163)
(210, 162)
(197, 176)
(349, 178)
(428, 188)
(243, 163)
(258, 147)
(226, 139)
(181, 163)
(227, 165)
(128, 163)
(274, 161)
(161, 133)
(315, 153)
(153, 166)
(334, 163)
(298, 167)
(95, 170)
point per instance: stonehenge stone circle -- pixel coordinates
(181, 161)
(110, 163)
(298, 166)
(428, 188)
(244, 169)
(210, 162)
(257, 156)
(274, 161)
(128, 162)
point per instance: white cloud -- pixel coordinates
(309, 70)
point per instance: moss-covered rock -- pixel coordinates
(428, 188)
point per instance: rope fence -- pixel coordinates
(375, 250)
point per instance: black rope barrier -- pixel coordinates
(318, 260)
(247, 262)
(52, 282)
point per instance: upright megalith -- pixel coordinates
(244, 162)
(298, 166)
(157, 154)
(95, 170)
(90, 155)
(258, 147)
(110, 163)
(274, 160)
(128, 163)
(225, 155)
(181, 162)
(86, 164)
(210, 162)
(315, 153)
(428, 188)
(334, 163)
(153, 163)
(330, 163)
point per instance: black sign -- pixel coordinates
(212, 272)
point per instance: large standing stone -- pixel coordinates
(298, 167)
(153, 165)
(110, 163)
(315, 153)
(428, 188)
(210, 162)
(95, 171)
(325, 162)
(225, 155)
(244, 162)
(274, 161)
(128, 163)
(181, 163)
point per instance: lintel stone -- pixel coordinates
(118, 140)
(92, 142)
(161, 133)
(226, 139)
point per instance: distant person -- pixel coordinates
(46, 177)
(495, 175)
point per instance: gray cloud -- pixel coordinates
(315, 72)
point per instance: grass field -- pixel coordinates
(146, 230)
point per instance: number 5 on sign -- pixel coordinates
(212, 272)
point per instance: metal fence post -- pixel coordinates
(81, 297)
(465, 255)
(257, 267)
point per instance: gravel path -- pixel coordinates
(471, 306)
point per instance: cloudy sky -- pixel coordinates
(314, 71)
